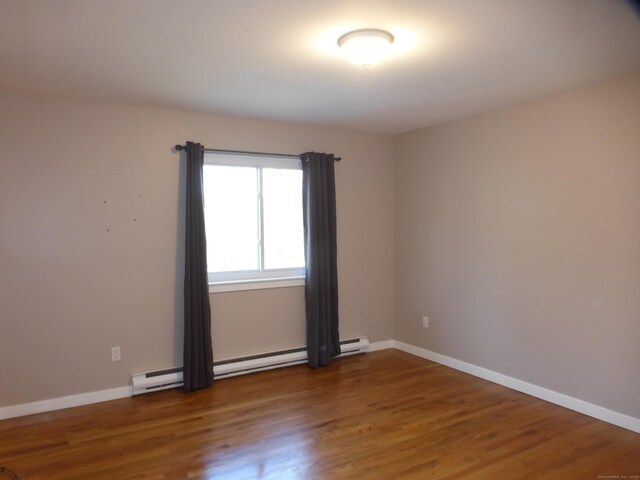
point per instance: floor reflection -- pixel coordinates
(280, 456)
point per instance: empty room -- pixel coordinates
(347, 239)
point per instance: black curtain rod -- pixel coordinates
(179, 148)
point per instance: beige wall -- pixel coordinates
(518, 234)
(70, 289)
(516, 231)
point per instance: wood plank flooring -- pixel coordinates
(383, 415)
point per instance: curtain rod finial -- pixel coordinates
(179, 148)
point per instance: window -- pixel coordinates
(253, 218)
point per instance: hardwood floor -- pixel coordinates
(383, 415)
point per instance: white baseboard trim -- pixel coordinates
(80, 399)
(383, 345)
(595, 411)
(64, 402)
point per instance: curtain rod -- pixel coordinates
(179, 148)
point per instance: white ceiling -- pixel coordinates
(277, 59)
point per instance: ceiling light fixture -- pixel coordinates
(366, 46)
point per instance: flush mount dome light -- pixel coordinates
(366, 46)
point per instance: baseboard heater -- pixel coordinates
(171, 378)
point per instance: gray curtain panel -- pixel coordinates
(198, 354)
(321, 276)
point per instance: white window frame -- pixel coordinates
(255, 279)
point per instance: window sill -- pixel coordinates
(258, 284)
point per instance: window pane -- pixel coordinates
(283, 229)
(231, 218)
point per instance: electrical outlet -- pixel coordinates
(115, 354)
(425, 322)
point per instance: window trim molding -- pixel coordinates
(257, 284)
(255, 275)
(239, 160)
